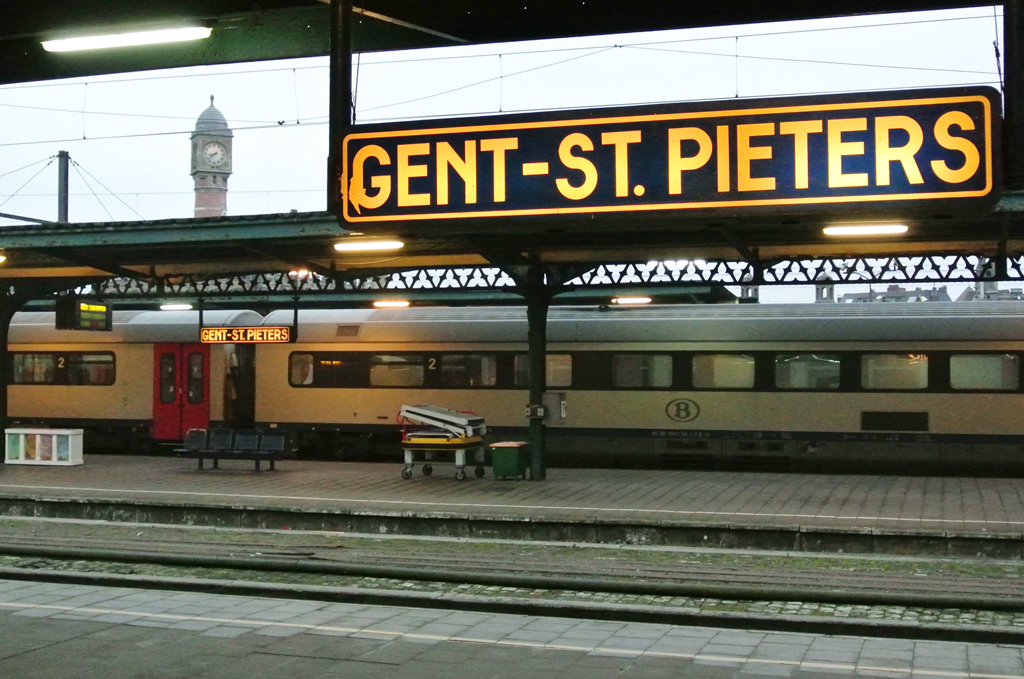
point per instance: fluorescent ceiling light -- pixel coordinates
(96, 42)
(364, 245)
(631, 300)
(175, 307)
(391, 303)
(3, 258)
(865, 230)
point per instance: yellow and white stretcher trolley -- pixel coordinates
(436, 435)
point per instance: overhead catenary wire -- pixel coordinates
(84, 113)
(821, 62)
(590, 51)
(449, 57)
(25, 167)
(51, 159)
(103, 186)
(89, 186)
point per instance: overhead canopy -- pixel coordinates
(253, 30)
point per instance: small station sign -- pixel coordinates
(74, 314)
(246, 335)
(745, 157)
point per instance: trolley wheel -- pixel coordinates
(460, 475)
(406, 473)
(479, 472)
(427, 470)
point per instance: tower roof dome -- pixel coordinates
(212, 121)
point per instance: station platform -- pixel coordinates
(970, 517)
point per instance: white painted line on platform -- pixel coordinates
(483, 505)
(606, 650)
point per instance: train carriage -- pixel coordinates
(825, 387)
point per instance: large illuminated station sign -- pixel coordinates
(898, 150)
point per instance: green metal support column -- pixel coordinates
(341, 94)
(1013, 96)
(537, 302)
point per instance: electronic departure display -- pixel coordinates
(831, 153)
(246, 335)
(74, 314)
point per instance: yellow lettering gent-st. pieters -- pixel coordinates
(745, 153)
(464, 166)
(499, 147)
(407, 171)
(904, 155)
(972, 159)
(581, 141)
(838, 149)
(621, 141)
(677, 164)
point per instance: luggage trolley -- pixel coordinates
(441, 436)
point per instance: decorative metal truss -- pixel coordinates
(488, 283)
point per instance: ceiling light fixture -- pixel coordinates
(175, 307)
(391, 303)
(97, 42)
(865, 230)
(367, 245)
(631, 300)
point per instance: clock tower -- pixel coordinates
(211, 162)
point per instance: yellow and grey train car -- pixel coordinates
(821, 387)
(147, 380)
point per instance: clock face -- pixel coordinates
(215, 154)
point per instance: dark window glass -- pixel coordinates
(637, 371)
(90, 369)
(723, 371)
(34, 369)
(988, 372)
(807, 371)
(194, 387)
(390, 370)
(469, 370)
(300, 372)
(168, 378)
(338, 370)
(559, 370)
(894, 371)
(67, 369)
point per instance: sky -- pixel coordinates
(128, 134)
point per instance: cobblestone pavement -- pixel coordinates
(888, 502)
(72, 631)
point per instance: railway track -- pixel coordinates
(679, 574)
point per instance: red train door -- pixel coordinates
(181, 389)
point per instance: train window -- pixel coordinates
(635, 371)
(723, 371)
(69, 368)
(388, 370)
(34, 369)
(558, 370)
(807, 371)
(300, 370)
(894, 371)
(339, 370)
(91, 369)
(469, 370)
(992, 372)
(194, 378)
(168, 377)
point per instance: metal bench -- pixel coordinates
(245, 444)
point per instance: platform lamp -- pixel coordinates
(128, 38)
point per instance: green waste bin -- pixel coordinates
(510, 459)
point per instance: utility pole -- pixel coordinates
(62, 185)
